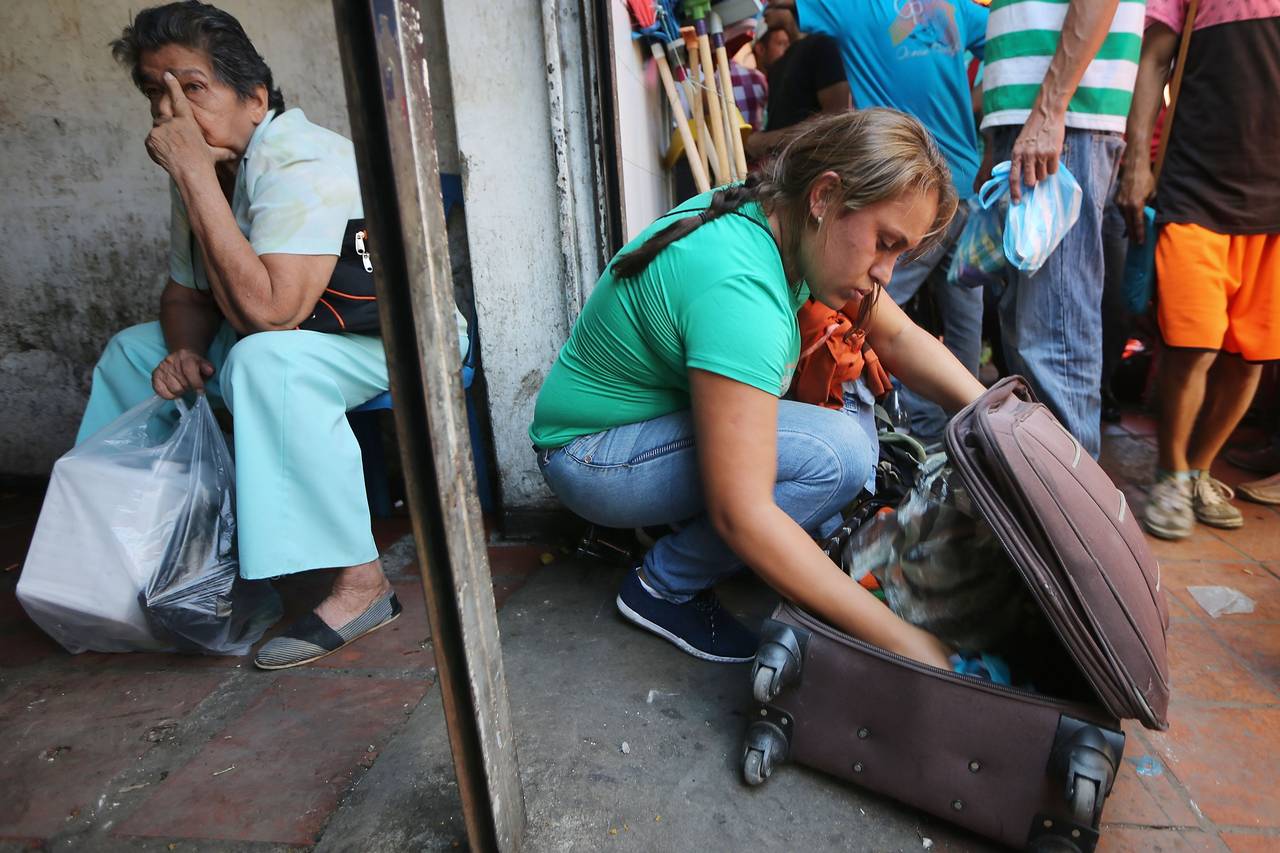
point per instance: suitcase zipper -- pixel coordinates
(932, 671)
(1108, 677)
(1051, 598)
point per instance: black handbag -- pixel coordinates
(349, 303)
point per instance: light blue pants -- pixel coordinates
(300, 498)
(961, 310)
(647, 473)
(1051, 320)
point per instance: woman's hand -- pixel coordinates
(920, 645)
(180, 372)
(176, 143)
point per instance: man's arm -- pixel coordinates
(1039, 144)
(1137, 184)
(835, 98)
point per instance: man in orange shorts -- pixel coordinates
(1218, 254)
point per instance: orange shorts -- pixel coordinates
(1219, 291)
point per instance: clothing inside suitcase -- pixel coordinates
(941, 567)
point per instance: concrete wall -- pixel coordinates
(84, 213)
(498, 69)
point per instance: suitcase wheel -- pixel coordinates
(777, 662)
(765, 746)
(1085, 802)
(763, 683)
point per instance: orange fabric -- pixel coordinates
(1219, 291)
(831, 353)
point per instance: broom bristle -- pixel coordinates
(643, 13)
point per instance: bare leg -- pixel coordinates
(1227, 395)
(354, 589)
(1182, 392)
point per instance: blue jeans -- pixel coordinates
(647, 473)
(1051, 320)
(961, 310)
(1116, 321)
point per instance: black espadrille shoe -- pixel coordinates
(310, 639)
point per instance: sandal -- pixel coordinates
(310, 639)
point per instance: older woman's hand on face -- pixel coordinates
(176, 143)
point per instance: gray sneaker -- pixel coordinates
(1169, 514)
(1209, 501)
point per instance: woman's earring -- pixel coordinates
(819, 218)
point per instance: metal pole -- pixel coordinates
(384, 67)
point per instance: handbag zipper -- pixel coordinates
(363, 252)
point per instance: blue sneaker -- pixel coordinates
(700, 626)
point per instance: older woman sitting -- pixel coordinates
(261, 200)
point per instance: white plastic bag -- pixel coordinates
(135, 546)
(1035, 225)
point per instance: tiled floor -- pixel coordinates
(1211, 781)
(149, 749)
(157, 750)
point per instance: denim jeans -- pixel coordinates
(961, 310)
(1116, 321)
(647, 473)
(1051, 320)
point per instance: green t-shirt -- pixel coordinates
(716, 300)
(1022, 37)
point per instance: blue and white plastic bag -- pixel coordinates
(1035, 225)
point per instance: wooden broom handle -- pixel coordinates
(715, 119)
(682, 121)
(735, 135)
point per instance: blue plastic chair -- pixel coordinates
(365, 424)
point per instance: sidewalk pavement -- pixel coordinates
(162, 752)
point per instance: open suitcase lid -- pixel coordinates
(1071, 534)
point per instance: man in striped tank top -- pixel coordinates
(1058, 82)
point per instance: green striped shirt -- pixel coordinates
(1022, 36)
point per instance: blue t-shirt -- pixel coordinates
(910, 55)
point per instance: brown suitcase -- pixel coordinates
(1027, 769)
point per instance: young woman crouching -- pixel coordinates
(663, 406)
